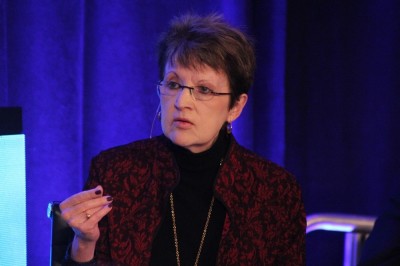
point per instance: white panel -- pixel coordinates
(12, 200)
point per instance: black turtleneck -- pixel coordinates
(192, 198)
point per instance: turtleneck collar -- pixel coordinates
(200, 161)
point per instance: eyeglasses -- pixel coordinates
(201, 93)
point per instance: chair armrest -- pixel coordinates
(355, 227)
(340, 223)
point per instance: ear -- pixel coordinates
(237, 109)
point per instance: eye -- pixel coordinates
(172, 85)
(203, 90)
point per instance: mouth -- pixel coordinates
(182, 122)
(177, 119)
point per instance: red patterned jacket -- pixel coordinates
(265, 223)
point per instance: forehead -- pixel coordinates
(201, 71)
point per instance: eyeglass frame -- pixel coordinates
(191, 89)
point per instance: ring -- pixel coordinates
(88, 215)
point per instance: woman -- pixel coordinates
(192, 195)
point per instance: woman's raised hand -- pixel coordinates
(82, 212)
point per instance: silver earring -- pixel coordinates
(229, 127)
(159, 115)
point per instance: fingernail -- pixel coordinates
(109, 198)
(98, 192)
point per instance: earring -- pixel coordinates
(229, 127)
(159, 115)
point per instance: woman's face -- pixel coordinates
(195, 124)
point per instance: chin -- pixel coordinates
(180, 140)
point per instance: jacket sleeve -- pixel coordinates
(294, 253)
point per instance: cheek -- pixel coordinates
(222, 110)
(165, 106)
(216, 116)
(166, 113)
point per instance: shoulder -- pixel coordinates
(264, 178)
(131, 165)
(140, 149)
(249, 183)
(260, 168)
(131, 159)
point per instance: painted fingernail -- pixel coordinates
(98, 192)
(109, 198)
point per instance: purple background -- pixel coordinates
(324, 104)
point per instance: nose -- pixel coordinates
(184, 98)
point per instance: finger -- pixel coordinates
(96, 216)
(87, 228)
(87, 220)
(87, 207)
(81, 197)
(92, 206)
(90, 212)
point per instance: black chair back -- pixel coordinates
(61, 234)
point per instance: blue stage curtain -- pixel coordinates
(85, 74)
(324, 103)
(342, 109)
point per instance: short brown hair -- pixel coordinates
(194, 40)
